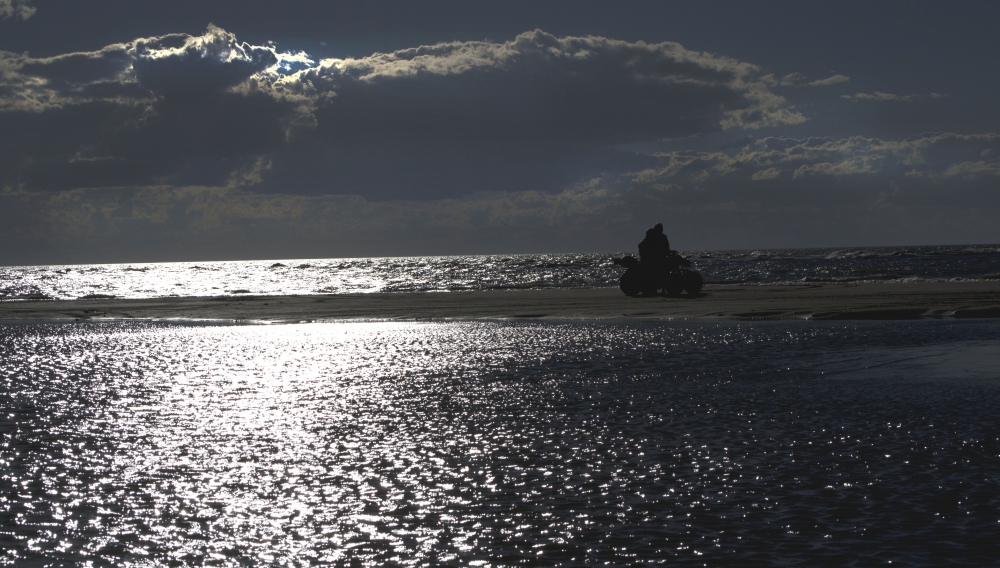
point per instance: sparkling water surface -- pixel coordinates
(486, 272)
(501, 443)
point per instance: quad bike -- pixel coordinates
(640, 279)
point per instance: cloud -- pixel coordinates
(160, 223)
(171, 109)
(214, 61)
(798, 79)
(832, 80)
(494, 116)
(574, 80)
(132, 73)
(167, 222)
(769, 173)
(205, 143)
(449, 119)
(792, 79)
(933, 157)
(16, 9)
(972, 170)
(880, 96)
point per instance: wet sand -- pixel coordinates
(732, 302)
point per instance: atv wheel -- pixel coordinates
(692, 282)
(630, 282)
(675, 284)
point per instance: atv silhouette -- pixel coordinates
(669, 278)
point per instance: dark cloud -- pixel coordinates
(46, 149)
(211, 126)
(536, 112)
(73, 68)
(541, 85)
(180, 63)
(160, 146)
(453, 118)
(157, 110)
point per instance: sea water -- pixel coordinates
(501, 443)
(487, 272)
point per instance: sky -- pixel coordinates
(212, 130)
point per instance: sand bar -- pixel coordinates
(730, 302)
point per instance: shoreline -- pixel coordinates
(890, 301)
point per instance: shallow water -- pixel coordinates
(501, 443)
(486, 272)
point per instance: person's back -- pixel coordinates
(661, 253)
(649, 249)
(661, 240)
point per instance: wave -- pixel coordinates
(494, 272)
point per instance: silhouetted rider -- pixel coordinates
(663, 243)
(649, 248)
(654, 250)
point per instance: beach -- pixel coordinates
(868, 301)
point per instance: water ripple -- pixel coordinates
(499, 443)
(486, 272)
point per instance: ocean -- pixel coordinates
(487, 272)
(481, 443)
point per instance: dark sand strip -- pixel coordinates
(829, 301)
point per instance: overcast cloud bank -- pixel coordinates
(208, 147)
(190, 109)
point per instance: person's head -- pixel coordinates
(658, 227)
